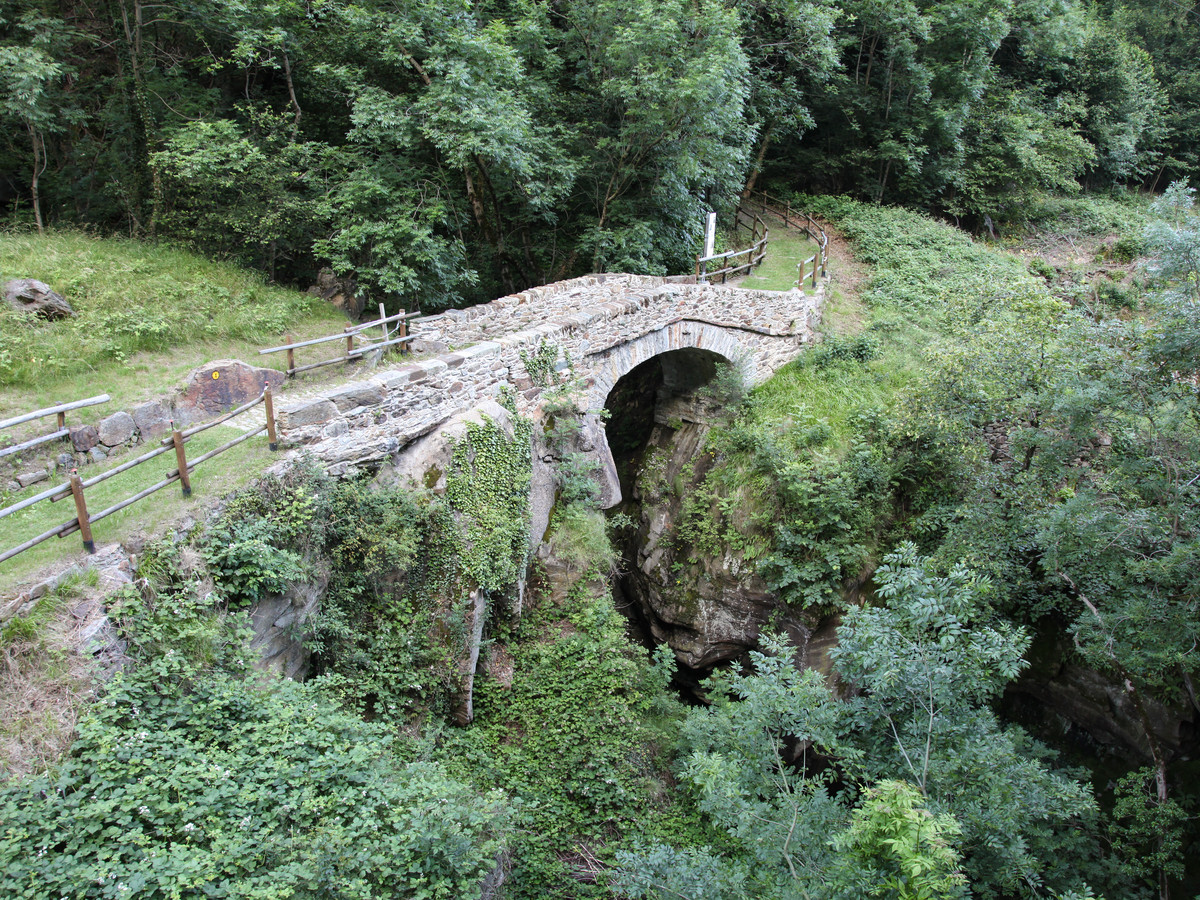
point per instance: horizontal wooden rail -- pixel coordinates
(33, 542)
(64, 492)
(29, 445)
(355, 354)
(349, 333)
(219, 450)
(52, 410)
(232, 414)
(36, 498)
(75, 487)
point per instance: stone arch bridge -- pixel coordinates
(604, 327)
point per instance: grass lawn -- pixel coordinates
(147, 314)
(785, 250)
(211, 480)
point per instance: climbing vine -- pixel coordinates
(541, 364)
(488, 485)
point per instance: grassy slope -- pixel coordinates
(785, 250)
(213, 479)
(146, 315)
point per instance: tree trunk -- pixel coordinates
(39, 166)
(758, 161)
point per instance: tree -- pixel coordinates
(30, 81)
(811, 788)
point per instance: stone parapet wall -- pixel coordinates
(604, 325)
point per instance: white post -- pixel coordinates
(710, 243)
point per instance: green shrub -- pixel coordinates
(232, 789)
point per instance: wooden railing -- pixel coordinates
(63, 431)
(75, 486)
(754, 254)
(804, 222)
(390, 338)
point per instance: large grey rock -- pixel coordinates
(32, 296)
(313, 412)
(116, 429)
(278, 624)
(151, 419)
(357, 394)
(426, 460)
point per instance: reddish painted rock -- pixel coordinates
(84, 437)
(219, 386)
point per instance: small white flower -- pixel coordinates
(189, 827)
(144, 810)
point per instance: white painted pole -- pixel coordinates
(710, 234)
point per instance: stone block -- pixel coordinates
(116, 429)
(97, 455)
(355, 395)
(84, 437)
(152, 419)
(313, 412)
(27, 478)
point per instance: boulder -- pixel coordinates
(32, 296)
(219, 386)
(116, 429)
(152, 419)
(341, 292)
(84, 437)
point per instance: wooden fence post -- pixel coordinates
(383, 315)
(814, 271)
(291, 357)
(349, 346)
(404, 331)
(85, 524)
(272, 443)
(181, 460)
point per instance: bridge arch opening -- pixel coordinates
(657, 392)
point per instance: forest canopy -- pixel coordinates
(448, 152)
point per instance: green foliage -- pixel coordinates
(1147, 830)
(772, 758)
(132, 297)
(896, 848)
(246, 563)
(488, 485)
(542, 364)
(578, 739)
(235, 789)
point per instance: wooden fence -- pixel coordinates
(783, 209)
(390, 338)
(62, 431)
(75, 487)
(760, 236)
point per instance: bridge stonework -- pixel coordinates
(604, 325)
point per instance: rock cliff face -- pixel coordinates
(708, 609)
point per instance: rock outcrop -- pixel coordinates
(221, 385)
(342, 293)
(32, 296)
